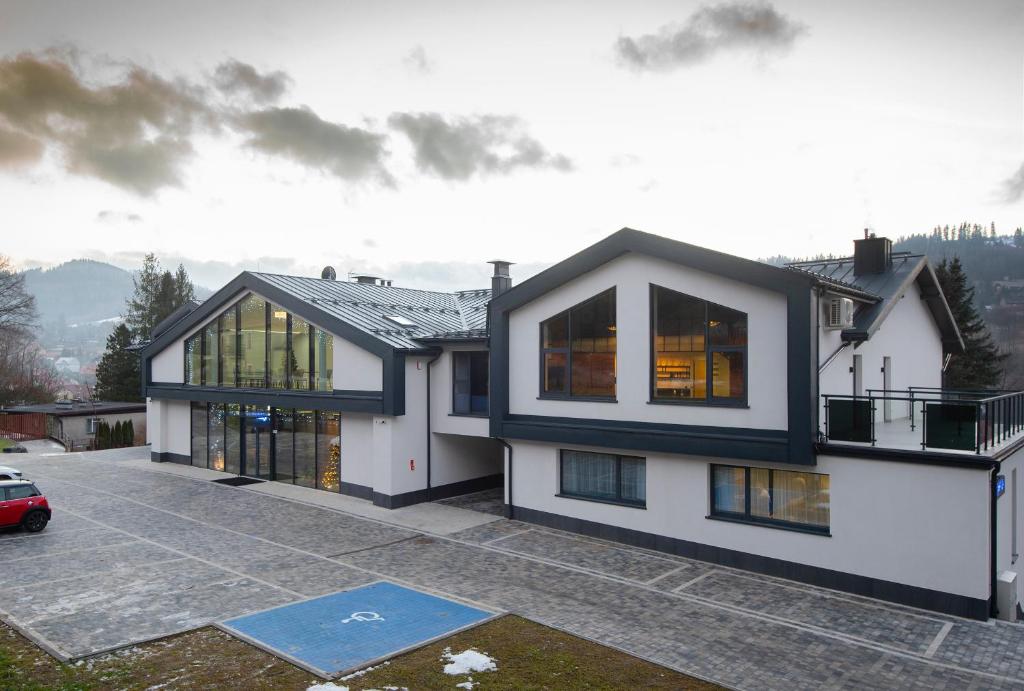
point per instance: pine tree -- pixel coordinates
(1018, 237)
(184, 291)
(129, 433)
(138, 316)
(117, 438)
(103, 435)
(117, 374)
(981, 366)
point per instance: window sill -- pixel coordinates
(585, 399)
(478, 416)
(699, 404)
(595, 500)
(820, 532)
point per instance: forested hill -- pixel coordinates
(79, 291)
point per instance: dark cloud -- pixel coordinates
(133, 134)
(459, 148)
(416, 60)
(300, 135)
(18, 149)
(1012, 189)
(236, 78)
(712, 29)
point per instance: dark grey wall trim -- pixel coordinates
(360, 491)
(454, 489)
(394, 383)
(727, 442)
(913, 596)
(802, 411)
(342, 401)
(168, 457)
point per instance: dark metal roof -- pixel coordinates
(887, 287)
(79, 408)
(456, 336)
(367, 307)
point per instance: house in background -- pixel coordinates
(74, 422)
(788, 421)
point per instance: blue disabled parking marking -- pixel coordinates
(351, 629)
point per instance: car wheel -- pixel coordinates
(35, 521)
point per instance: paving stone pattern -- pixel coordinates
(134, 554)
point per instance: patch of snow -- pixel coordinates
(467, 661)
(361, 672)
(466, 684)
(327, 686)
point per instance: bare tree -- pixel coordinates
(17, 307)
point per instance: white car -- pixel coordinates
(9, 473)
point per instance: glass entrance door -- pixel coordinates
(257, 442)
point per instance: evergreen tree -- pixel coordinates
(982, 365)
(117, 438)
(103, 435)
(129, 433)
(166, 300)
(184, 291)
(1018, 238)
(117, 375)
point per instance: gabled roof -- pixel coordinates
(889, 286)
(375, 317)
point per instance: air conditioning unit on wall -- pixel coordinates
(840, 313)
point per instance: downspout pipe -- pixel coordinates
(430, 436)
(509, 505)
(993, 545)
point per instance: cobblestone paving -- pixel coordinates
(133, 555)
(490, 501)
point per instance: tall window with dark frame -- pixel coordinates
(700, 349)
(469, 382)
(578, 350)
(256, 344)
(603, 477)
(786, 498)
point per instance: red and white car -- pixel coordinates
(22, 504)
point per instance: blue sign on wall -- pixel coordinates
(350, 630)
(1000, 485)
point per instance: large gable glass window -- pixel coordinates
(700, 349)
(255, 344)
(578, 350)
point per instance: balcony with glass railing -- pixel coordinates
(926, 419)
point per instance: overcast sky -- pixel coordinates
(420, 139)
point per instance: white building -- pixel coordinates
(788, 421)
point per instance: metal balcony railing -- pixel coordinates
(948, 419)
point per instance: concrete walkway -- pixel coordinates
(139, 550)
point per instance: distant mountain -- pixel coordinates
(79, 291)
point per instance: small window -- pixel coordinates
(578, 349)
(21, 492)
(774, 497)
(604, 477)
(92, 425)
(469, 382)
(404, 322)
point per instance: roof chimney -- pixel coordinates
(501, 281)
(871, 255)
(368, 279)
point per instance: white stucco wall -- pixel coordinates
(456, 458)
(908, 335)
(632, 275)
(357, 449)
(400, 439)
(442, 419)
(920, 525)
(1005, 548)
(169, 426)
(168, 366)
(356, 369)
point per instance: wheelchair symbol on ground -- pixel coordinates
(353, 629)
(363, 616)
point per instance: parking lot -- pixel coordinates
(135, 552)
